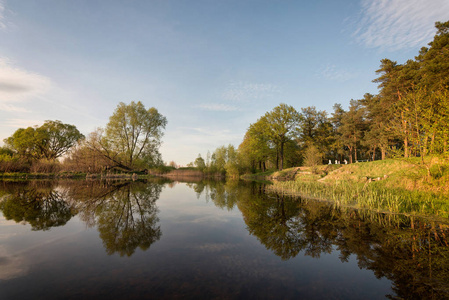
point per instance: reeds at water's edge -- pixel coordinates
(369, 196)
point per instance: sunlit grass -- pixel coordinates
(373, 196)
(258, 175)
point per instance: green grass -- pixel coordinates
(285, 172)
(372, 196)
(393, 185)
(27, 175)
(258, 175)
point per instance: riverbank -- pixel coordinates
(396, 186)
(174, 174)
(405, 186)
(71, 175)
(180, 173)
(27, 176)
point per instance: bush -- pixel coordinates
(163, 169)
(45, 166)
(438, 171)
(10, 164)
(312, 158)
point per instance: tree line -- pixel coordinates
(130, 141)
(409, 117)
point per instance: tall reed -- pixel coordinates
(371, 196)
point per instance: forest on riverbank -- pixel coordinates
(407, 119)
(129, 143)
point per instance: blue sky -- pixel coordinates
(211, 67)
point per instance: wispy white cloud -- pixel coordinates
(12, 108)
(332, 72)
(247, 92)
(18, 85)
(207, 135)
(2, 15)
(399, 24)
(4, 22)
(240, 94)
(217, 107)
(20, 123)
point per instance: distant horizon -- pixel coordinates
(211, 68)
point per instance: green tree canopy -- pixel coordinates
(59, 138)
(283, 123)
(51, 140)
(255, 148)
(353, 127)
(200, 163)
(434, 61)
(133, 136)
(225, 160)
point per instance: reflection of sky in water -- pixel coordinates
(203, 251)
(20, 247)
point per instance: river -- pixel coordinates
(161, 239)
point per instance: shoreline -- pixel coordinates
(394, 185)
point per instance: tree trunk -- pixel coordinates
(406, 147)
(432, 143)
(405, 132)
(424, 147)
(350, 155)
(355, 147)
(404, 127)
(281, 154)
(277, 159)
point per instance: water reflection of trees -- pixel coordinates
(124, 212)
(224, 194)
(38, 203)
(411, 252)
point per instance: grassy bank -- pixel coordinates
(258, 176)
(70, 175)
(184, 173)
(397, 186)
(17, 175)
(373, 196)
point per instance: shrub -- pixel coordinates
(45, 166)
(312, 158)
(10, 164)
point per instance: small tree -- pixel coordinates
(173, 164)
(199, 163)
(232, 163)
(132, 137)
(312, 157)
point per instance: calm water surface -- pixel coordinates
(165, 240)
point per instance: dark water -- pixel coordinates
(208, 240)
